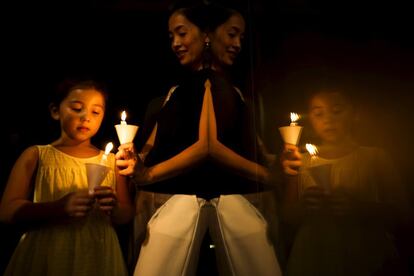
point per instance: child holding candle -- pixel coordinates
(66, 233)
(343, 229)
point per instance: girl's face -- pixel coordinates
(187, 41)
(80, 114)
(330, 115)
(226, 40)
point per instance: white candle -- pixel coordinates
(108, 149)
(123, 117)
(293, 118)
(126, 132)
(291, 133)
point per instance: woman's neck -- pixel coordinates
(217, 68)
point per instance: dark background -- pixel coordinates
(290, 45)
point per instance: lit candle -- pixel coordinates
(291, 133)
(123, 117)
(313, 151)
(108, 149)
(126, 132)
(293, 118)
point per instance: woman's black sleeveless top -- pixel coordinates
(178, 124)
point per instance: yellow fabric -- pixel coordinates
(87, 246)
(347, 245)
(367, 174)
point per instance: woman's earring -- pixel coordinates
(207, 55)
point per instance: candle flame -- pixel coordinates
(312, 149)
(108, 148)
(123, 115)
(294, 117)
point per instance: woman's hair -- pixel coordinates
(194, 11)
(70, 84)
(206, 15)
(219, 13)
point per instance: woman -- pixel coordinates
(200, 140)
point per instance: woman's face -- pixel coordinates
(187, 41)
(226, 40)
(330, 115)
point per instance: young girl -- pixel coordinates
(69, 229)
(344, 220)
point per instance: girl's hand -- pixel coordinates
(126, 159)
(106, 198)
(314, 198)
(291, 159)
(77, 204)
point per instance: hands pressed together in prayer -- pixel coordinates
(207, 146)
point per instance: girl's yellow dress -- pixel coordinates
(351, 244)
(85, 246)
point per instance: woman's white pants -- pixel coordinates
(176, 230)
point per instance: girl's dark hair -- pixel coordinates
(342, 91)
(68, 85)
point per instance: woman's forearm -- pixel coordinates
(238, 164)
(184, 161)
(227, 157)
